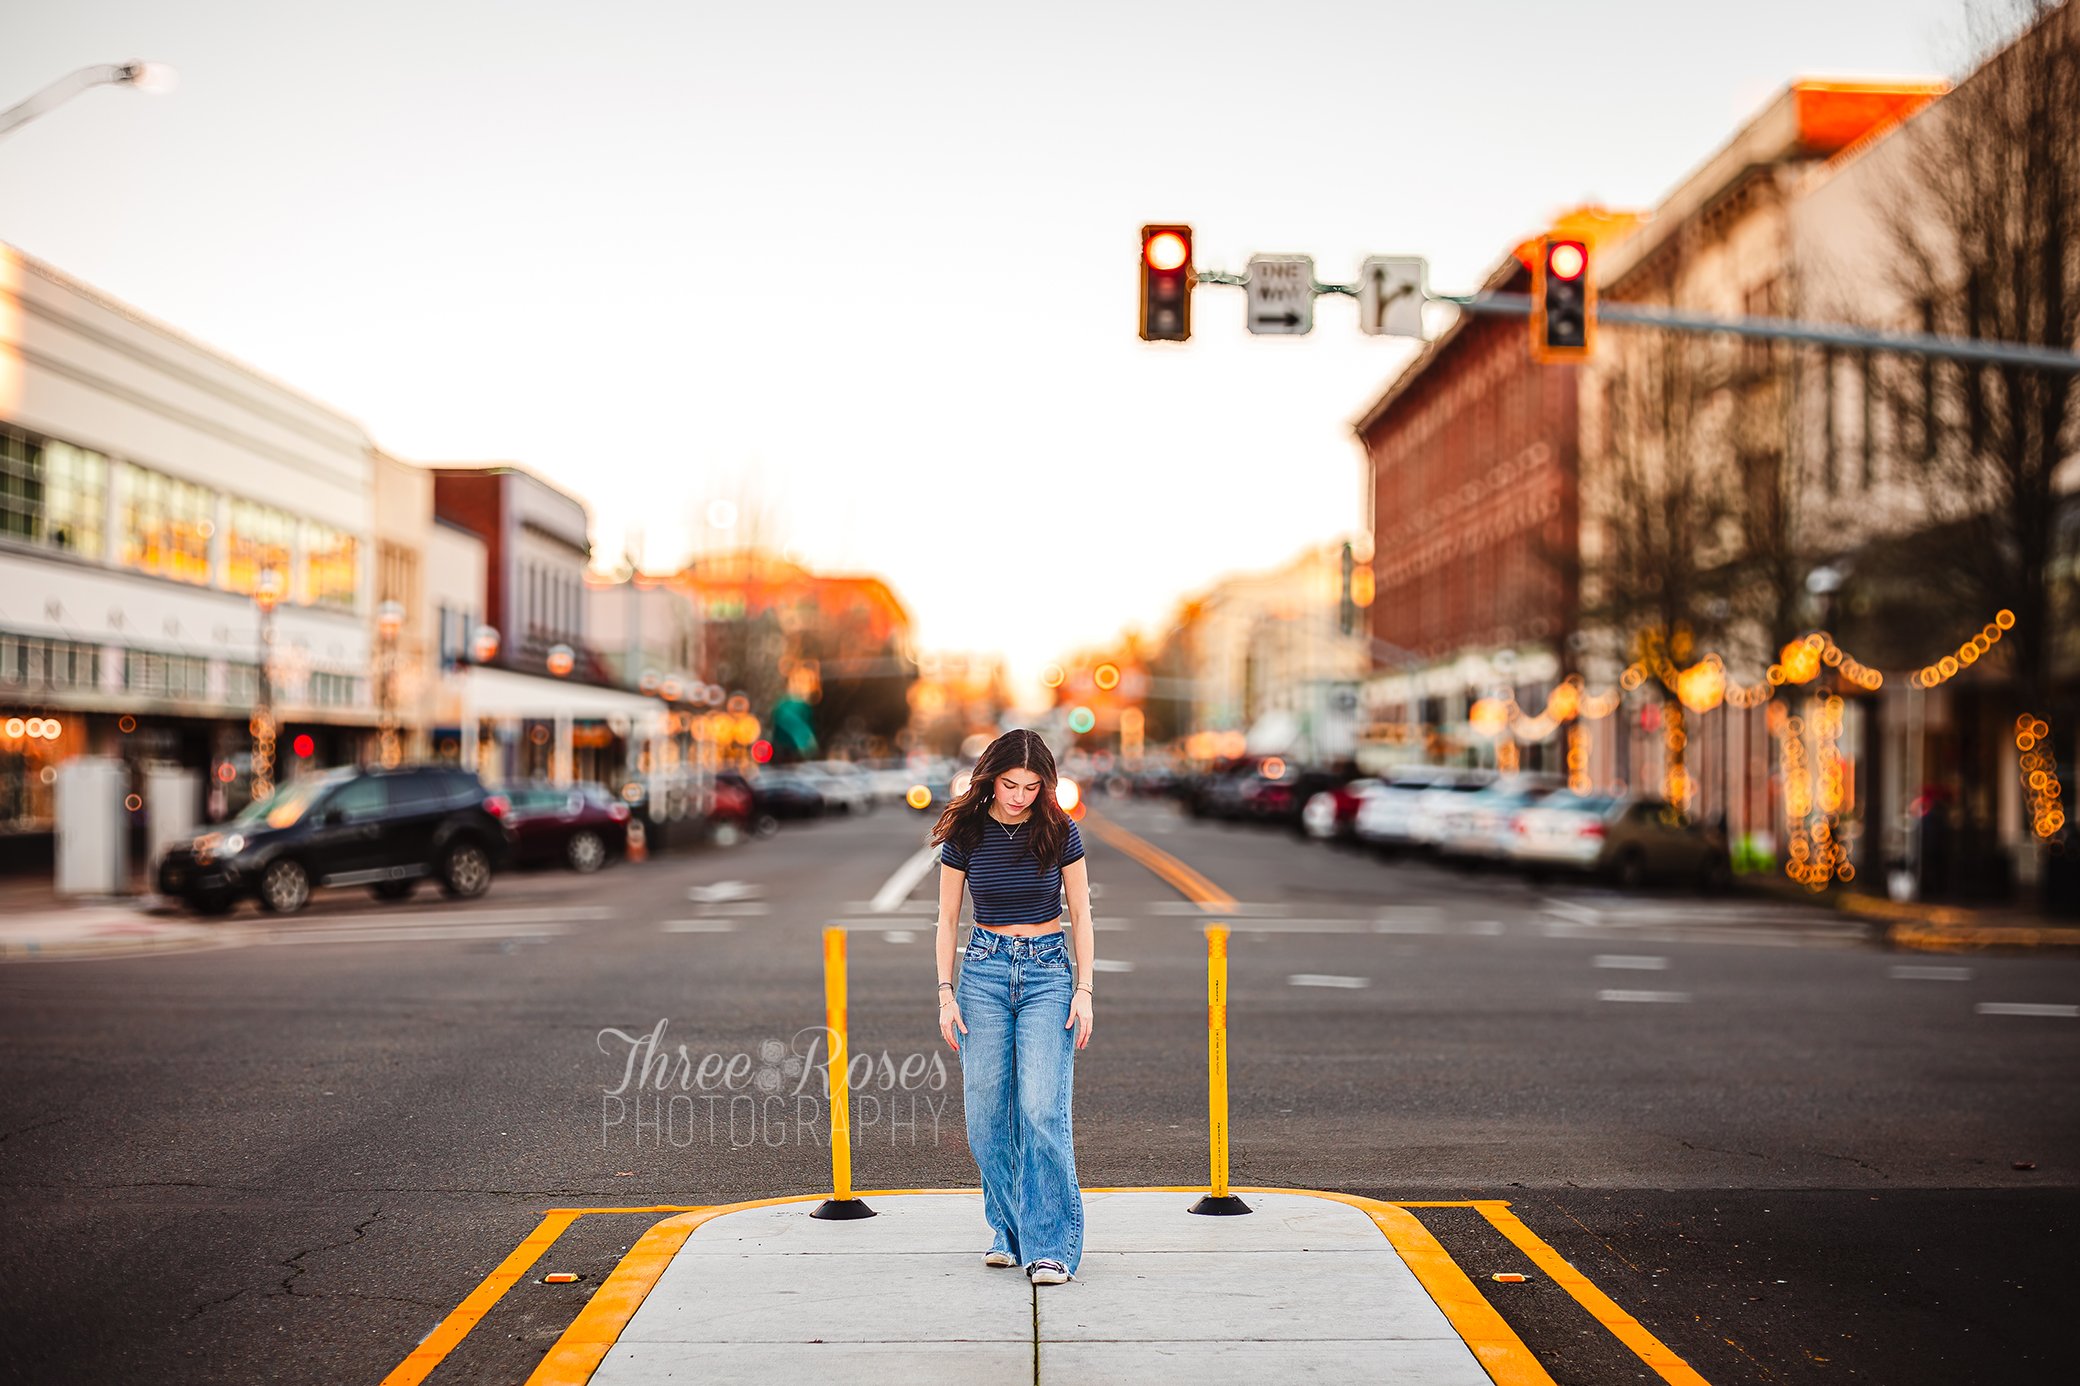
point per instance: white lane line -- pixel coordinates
(899, 936)
(918, 907)
(431, 933)
(1192, 909)
(732, 909)
(1927, 972)
(552, 914)
(1323, 979)
(1300, 926)
(1111, 965)
(699, 926)
(1651, 998)
(1631, 962)
(723, 890)
(2028, 1008)
(905, 879)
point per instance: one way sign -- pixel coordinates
(1281, 294)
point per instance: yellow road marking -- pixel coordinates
(1625, 1328)
(451, 1330)
(1186, 881)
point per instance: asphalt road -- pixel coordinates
(1790, 1154)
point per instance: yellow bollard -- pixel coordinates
(841, 1204)
(1218, 1200)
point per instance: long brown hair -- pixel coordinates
(967, 817)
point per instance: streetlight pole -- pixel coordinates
(142, 75)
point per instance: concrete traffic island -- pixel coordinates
(1312, 1286)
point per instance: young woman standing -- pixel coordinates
(1022, 991)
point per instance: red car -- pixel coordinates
(582, 826)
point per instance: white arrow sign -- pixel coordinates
(1391, 290)
(1281, 294)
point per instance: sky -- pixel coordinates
(868, 271)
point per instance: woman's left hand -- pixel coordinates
(1080, 1016)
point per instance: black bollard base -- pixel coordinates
(1226, 1206)
(842, 1209)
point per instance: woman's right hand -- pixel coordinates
(950, 1020)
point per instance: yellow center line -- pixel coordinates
(1625, 1328)
(1187, 882)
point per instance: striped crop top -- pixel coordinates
(1007, 884)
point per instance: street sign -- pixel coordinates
(1281, 294)
(1391, 290)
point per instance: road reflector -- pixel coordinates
(1507, 1277)
(559, 1278)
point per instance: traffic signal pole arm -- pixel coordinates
(1793, 330)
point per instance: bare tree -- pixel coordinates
(1660, 505)
(1985, 230)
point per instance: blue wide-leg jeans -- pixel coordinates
(1017, 1066)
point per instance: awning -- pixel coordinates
(500, 694)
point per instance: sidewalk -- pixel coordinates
(46, 929)
(1307, 1287)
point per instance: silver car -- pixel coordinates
(1630, 839)
(1401, 813)
(1479, 827)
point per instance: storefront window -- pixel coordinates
(166, 525)
(52, 494)
(32, 661)
(331, 562)
(31, 749)
(261, 538)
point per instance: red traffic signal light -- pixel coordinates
(1166, 283)
(1563, 300)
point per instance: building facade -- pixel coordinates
(150, 489)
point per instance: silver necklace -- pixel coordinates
(1010, 831)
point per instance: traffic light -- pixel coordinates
(1563, 300)
(1166, 283)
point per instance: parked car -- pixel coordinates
(385, 829)
(1215, 792)
(786, 794)
(582, 826)
(1404, 813)
(1630, 840)
(733, 802)
(1479, 826)
(1331, 815)
(845, 787)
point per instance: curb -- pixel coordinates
(1952, 928)
(101, 933)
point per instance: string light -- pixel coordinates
(1967, 654)
(1578, 740)
(2040, 780)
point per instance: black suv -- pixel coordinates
(380, 828)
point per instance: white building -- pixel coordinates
(149, 485)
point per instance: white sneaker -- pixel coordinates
(1047, 1272)
(998, 1258)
